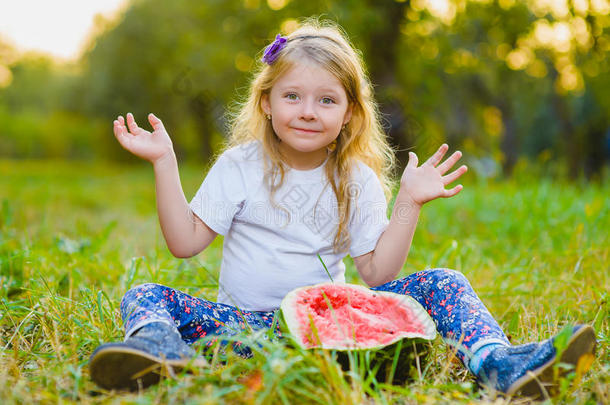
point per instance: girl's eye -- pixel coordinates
(327, 100)
(291, 96)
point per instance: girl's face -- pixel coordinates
(308, 106)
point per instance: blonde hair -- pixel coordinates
(362, 138)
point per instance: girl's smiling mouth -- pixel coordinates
(309, 131)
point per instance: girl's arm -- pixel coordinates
(185, 234)
(418, 185)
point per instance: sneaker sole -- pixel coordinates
(540, 382)
(122, 368)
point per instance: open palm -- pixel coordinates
(427, 182)
(151, 146)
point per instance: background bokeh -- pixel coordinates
(517, 85)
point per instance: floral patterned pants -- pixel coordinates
(460, 317)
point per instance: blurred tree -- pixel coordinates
(8, 56)
(32, 84)
(505, 72)
(34, 108)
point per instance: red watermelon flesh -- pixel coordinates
(357, 317)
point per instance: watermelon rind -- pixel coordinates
(289, 315)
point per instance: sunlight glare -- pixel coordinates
(58, 27)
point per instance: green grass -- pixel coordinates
(74, 237)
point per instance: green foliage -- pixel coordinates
(536, 252)
(56, 134)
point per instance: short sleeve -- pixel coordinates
(369, 218)
(221, 195)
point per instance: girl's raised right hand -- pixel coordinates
(150, 146)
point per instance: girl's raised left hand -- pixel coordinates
(427, 182)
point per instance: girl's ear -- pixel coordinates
(265, 104)
(348, 114)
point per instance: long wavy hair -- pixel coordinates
(363, 138)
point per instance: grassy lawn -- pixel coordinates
(74, 237)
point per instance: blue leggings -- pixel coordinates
(460, 317)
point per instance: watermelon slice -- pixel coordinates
(349, 318)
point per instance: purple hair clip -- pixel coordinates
(273, 50)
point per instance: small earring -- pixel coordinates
(332, 146)
(268, 116)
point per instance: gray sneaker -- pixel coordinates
(528, 370)
(156, 350)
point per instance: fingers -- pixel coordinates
(119, 126)
(412, 160)
(120, 131)
(447, 164)
(451, 177)
(155, 122)
(438, 155)
(453, 191)
(131, 123)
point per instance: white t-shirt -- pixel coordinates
(266, 252)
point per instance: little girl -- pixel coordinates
(306, 173)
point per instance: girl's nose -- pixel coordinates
(308, 111)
